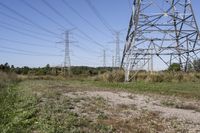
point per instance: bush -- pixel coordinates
(197, 65)
(118, 76)
(139, 76)
(6, 78)
(175, 67)
(168, 76)
(114, 76)
(155, 77)
(178, 77)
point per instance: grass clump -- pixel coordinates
(17, 112)
(7, 78)
(167, 76)
(155, 77)
(114, 76)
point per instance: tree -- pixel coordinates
(25, 70)
(175, 67)
(47, 69)
(196, 64)
(6, 67)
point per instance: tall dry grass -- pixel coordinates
(114, 76)
(6, 78)
(118, 76)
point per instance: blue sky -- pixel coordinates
(40, 47)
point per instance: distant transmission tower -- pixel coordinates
(67, 60)
(113, 61)
(104, 58)
(116, 57)
(163, 31)
(117, 50)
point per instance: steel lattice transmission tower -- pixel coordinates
(117, 50)
(104, 58)
(67, 60)
(163, 31)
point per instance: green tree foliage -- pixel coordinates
(197, 65)
(48, 70)
(5, 67)
(175, 67)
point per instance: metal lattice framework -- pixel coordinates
(162, 29)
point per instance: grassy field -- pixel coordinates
(182, 89)
(39, 106)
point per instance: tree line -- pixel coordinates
(48, 70)
(79, 70)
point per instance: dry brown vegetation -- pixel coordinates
(118, 76)
(55, 104)
(5, 78)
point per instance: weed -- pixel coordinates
(51, 111)
(102, 116)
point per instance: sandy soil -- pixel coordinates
(187, 112)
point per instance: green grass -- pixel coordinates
(182, 89)
(39, 106)
(17, 110)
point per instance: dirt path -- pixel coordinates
(187, 113)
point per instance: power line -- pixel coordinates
(42, 14)
(25, 43)
(27, 19)
(69, 22)
(19, 20)
(99, 16)
(130, 4)
(14, 18)
(26, 23)
(117, 59)
(85, 59)
(85, 49)
(57, 12)
(21, 28)
(26, 34)
(83, 18)
(28, 52)
(17, 53)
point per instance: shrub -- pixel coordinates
(178, 77)
(118, 75)
(190, 77)
(197, 65)
(197, 75)
(175, 67)
(168, 76)
(114, 76)
(140, 76)
(5, 78)
(155, 77)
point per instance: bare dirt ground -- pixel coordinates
(152, 113)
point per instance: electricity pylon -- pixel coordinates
(104, 58)
(67, 60)
(163, 29)
(117, 50)
(116, 59)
